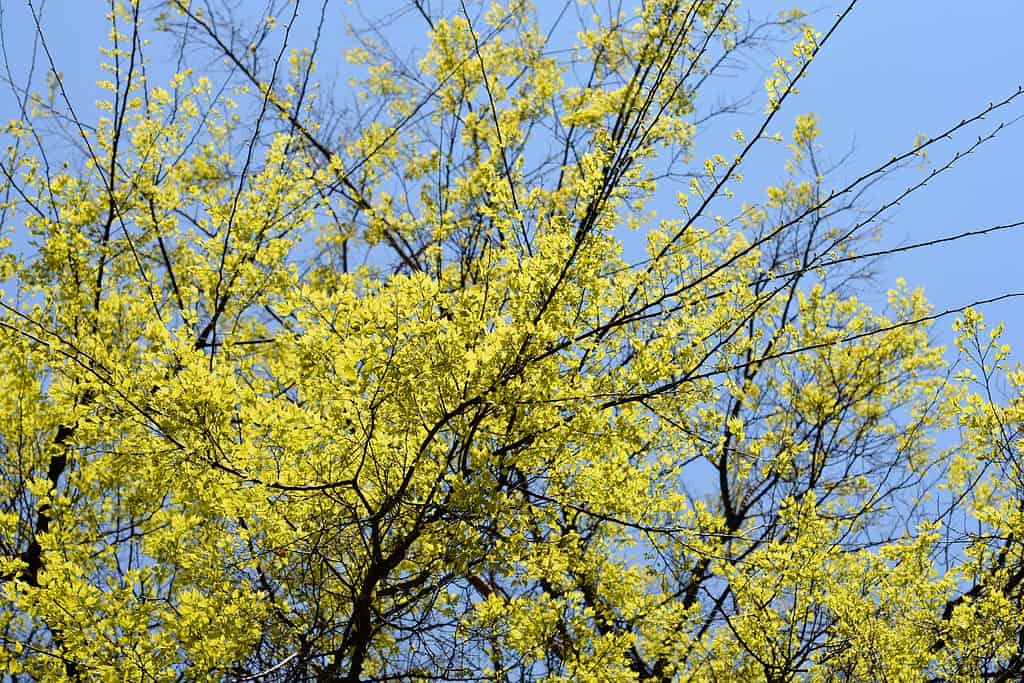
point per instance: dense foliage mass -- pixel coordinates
(295, 391)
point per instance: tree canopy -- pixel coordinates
(366, 382)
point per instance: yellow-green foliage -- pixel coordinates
(284, 401)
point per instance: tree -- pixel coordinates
(299, 392)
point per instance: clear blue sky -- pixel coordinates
(899, 67)
(895, 68)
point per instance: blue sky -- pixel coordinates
(894, 69)
(899, 67)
